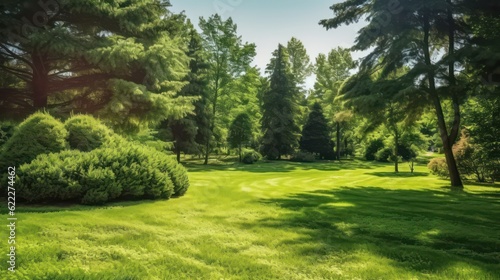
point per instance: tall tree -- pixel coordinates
(412, 33)
(280, 132)
(190, 133)
(331, 72)
(240, 132)
(316, 133)
(228, 58)
(123, 61)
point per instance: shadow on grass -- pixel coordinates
(424, 231)
(283, 166)
(67, 206)
(399, 174)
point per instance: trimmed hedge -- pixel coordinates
(105, 174)
(39, 134)
(87, 133)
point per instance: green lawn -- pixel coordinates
(352, 220)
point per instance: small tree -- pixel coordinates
(316, 133)
(240, 132)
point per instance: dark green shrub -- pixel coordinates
(87, 133)
(303, 157)
(439, 167)
(406, 153)
(373, 147)
(384, 155)
(6, 131)
(250, 156)
(123, 172)
(39, 134)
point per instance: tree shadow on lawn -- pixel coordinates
(399, 174)
(283, 166)
(423, 231)
(73, 206)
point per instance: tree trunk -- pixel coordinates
(456, 182)
(40, 82)
(178, 151)
(239, 151)
(338, 141)
(396, 154)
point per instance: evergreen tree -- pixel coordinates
(123, 61)
(316, 133)
(432, 38)
(280, 132)
(240, 132)
(191, 132)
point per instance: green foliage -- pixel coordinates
(438, 167)
(372, 149)
(190, 133)
(87, 133)
(6, 131)
(280, 132)
(228, 59)
(125, 59)
(250, 156)
(39, 134)
(316, 133)
(406, 153)
(101, 175)
(384, 155)
(472, 159)
(240, 132)
(303, 157)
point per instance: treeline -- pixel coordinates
(152, 75)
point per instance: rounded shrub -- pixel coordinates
(87, 133)
(39, 134)
(384, 155)
(123, 172)
(250, 156)
(372, 148)
(439, 167)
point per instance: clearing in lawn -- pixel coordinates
(280, 220)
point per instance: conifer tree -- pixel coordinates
(316, 134)
(280, 132)
(123, 61)
(190, 133)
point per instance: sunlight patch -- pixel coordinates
(340, 204)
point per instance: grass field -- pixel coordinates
(351, 220)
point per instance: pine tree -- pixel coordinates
(190, 133)
(123, 61)
(240, 132)
(280, 132)
(428, 36)
(316, 133)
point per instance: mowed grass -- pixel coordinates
(281, 220)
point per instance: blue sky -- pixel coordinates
(268, 23)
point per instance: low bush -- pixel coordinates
(303, 157)
(39, 134)
(384, 155)
(101, 175)
(372, 148)
(250, 156)
(439, 167)
(85, 133)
